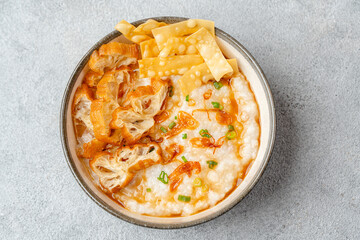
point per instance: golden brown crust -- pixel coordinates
(113, 55)
(137, 118)
(101, 116)
(92, 78)
(109, 86)
(82, 91)
(132, 125)
(116, 48)
(116, 170)
(148, 100)
(92, 147)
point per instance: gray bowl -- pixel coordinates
(260, 87)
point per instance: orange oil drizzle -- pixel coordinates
(185, 121)
(176, 177)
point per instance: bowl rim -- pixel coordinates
(65, 145)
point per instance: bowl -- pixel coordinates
(231, 49)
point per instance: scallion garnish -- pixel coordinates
(148, 189)
(211, 164)
(204, 133)
(163, 129)
(163, 177)
(175, 117)
(184, 159)
(187, 98)
(218, 85)
(171, 91)
(217, 105)
(184, 136)
(230, 135)
(231, 128)
(197, 182)
(171, 125)
(184, 198)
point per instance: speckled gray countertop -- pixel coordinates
(310, 52)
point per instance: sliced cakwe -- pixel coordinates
(112, 83)
(132, 125)
(113, 55)
(137, 117)
(88, 145)
(116, 170)
(148, 100)
(101, 116)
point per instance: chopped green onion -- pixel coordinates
(218, 85)
(163, 177)
(148, 189)
(197, 182)
(187, 98)
(211, 164)
(163, 129)
(230, 135)
(204, 133)
(231, 128)
(184, 136)
(184, 159)
(171, 91)
(215, 104)
(151, 149)
(171, 125)
(184, 198)
(175, 117)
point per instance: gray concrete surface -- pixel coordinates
(310, 52)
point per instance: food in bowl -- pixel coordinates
(167, 125)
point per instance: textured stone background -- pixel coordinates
(310, 52)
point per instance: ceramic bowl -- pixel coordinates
(232, 49)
